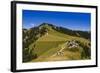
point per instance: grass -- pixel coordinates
(43, 46)
(49, 44)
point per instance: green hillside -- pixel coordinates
(52, 45)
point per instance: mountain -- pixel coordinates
(84, 34)
(48, 42)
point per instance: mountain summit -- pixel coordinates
(79, 33)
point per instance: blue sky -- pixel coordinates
(71, 20)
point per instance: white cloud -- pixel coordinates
(32, 24)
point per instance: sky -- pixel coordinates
(71, 20)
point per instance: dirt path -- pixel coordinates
(61, 50)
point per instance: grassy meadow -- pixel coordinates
(53, 45)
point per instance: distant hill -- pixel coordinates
(47, 40)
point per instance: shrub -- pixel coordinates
(28, 54)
